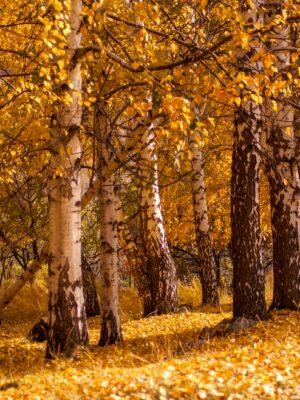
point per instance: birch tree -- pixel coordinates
(248, 273)
(283, 167)
(162, 270)
(67, 318)
(205, 252)
(109, 288)
(135, 256)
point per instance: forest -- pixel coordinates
(149, 199)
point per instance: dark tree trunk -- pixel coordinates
(284, 182)
(89, 290)
(286, 251)
(283, 168)
(207, 270)
(217, 257)
(248, 271)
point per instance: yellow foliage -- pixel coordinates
(161, 357)
(191, 294)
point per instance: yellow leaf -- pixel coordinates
(135, 65)
(238, 101)
(289, 131)
(294, 57)
(257, 98)
(274, 105)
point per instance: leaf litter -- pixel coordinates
(161, 358)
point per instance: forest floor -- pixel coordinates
(161, 357)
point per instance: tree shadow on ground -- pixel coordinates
(19, 356)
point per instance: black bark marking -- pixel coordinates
(64, 334)
(110, 331)
(248, 272)
(89, 290)
(39, 332)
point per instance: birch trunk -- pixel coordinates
(162, 270)
(109, 290)
(67, 319)
(135, 256)
(205, 252)
(248, 272)
(283, 174)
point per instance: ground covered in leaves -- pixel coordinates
(161, 358)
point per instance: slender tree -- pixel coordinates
(161, 267)
(109, 288)
(135, 255)
(206, 257)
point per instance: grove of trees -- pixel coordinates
(131, 127)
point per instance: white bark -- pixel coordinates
(110, 324)
(110, 319)
(67, 319)
(198, 187)
(205, 251)
(161, 266)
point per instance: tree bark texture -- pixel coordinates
(161, 267)
(135, 256)
(109, 290)
(205, 252)
(283, 172)
(67, 318)
(248, 272)
(89, 289)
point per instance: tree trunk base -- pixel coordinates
(39, 332)
(230, 326)
(110, 330)
(277, 306)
